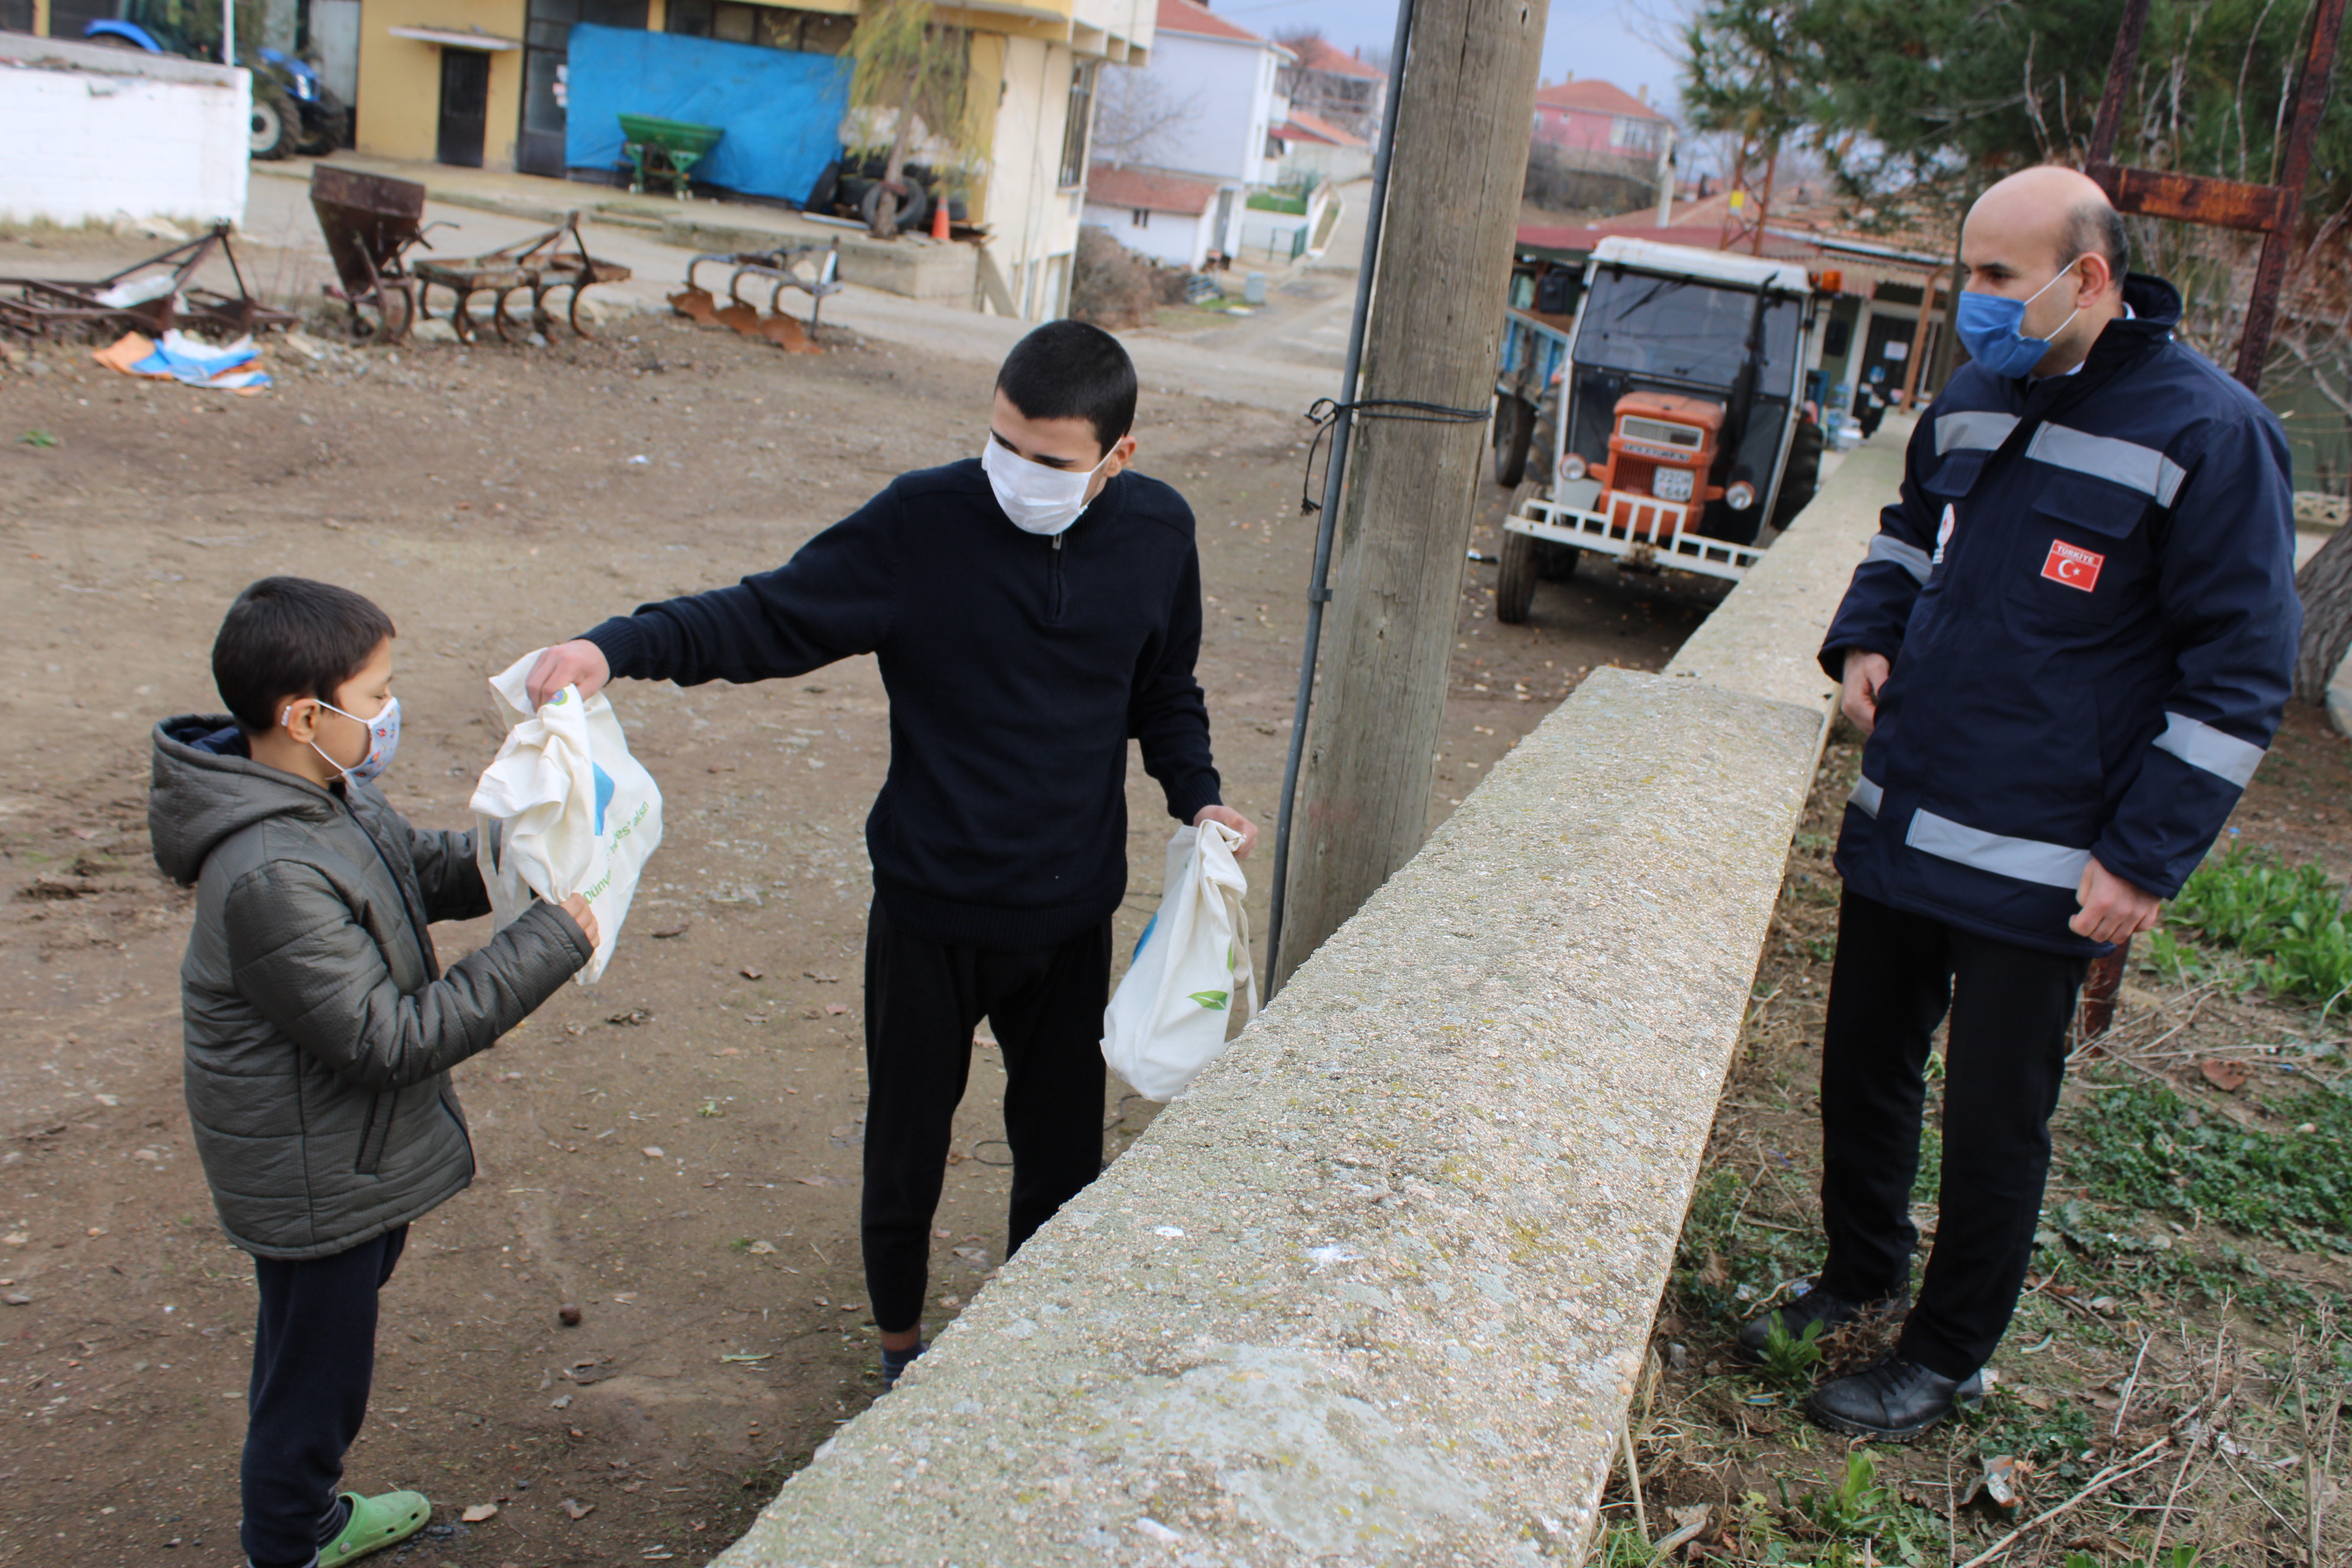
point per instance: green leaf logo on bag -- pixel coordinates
(1213, 1000)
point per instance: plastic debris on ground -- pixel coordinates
(178, 357)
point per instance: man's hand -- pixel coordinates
(1865, 674)
(579, 663)
(2113, 909)
(576, 906)
(1232, 819)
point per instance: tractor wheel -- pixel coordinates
(1521, 566)
(270, 134)
(1514, 428)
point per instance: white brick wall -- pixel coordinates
(101, 134)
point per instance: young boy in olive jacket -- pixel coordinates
(319, 1029)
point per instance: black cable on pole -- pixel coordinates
(1318, 590)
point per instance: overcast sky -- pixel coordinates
(1589, 38)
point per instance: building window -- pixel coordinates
(769, 26)
(1139, 219)
(1077, 131)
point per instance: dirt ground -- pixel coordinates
(674, 1151)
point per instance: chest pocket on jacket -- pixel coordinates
(1956, 476)
(2082, 554)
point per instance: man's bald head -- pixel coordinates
(2065, 205)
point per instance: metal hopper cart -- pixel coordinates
(371, 223)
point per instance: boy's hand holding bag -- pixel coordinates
(1191, 970)
(563, 809)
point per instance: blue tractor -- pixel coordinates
(293, 110)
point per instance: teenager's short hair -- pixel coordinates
(291, 638)
(1068, 370)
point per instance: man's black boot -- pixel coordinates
(1894, 1399)
(1813, 1305)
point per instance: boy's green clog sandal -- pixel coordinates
(375, 1523)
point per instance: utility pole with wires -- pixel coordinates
(1413, 439)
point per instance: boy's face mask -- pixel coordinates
(383, 740)
(1037, 498)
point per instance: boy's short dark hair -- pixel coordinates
(1068, 370)
(291, 638)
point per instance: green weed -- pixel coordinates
(1622, 1546)
(1857, 1505)
(1787, 1362)
(2180, 1556)
(38, 438)
(1927, 1185)
(2185, 964)
(2288, 919)
(1856, 1521)
(2144, 1148)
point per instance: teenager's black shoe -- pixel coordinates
(1814, 1305)
(1893, 1399)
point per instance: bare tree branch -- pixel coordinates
(1135, 115)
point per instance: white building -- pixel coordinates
(1203, 117)
(1168, 217)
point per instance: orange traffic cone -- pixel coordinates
(940, 217)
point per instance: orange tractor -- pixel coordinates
(1680, 384)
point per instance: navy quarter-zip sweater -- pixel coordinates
(2086, 590)
(1017, 667)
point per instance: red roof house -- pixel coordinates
(1598, 117)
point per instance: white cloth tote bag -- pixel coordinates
(573, 812)
(1190, 973)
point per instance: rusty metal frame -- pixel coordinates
(59, 306)
(2272, 211)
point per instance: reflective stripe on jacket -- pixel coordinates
(2087, 591)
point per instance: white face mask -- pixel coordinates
(1037, 498)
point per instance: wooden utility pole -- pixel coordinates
(1458, 165)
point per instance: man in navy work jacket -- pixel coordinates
(2069, 646)
(1030, 609)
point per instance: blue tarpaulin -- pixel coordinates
(781, 109)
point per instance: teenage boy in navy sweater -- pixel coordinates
(1030, 609)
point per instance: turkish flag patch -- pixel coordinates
(2073, 566)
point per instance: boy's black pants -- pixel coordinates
(313, 1362)
(1896, 977)
(923, 1000)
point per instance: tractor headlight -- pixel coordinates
(1571, 467)
(1740, 495)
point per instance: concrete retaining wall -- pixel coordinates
(1379, 1288)
(96, 134)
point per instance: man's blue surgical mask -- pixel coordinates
(1993, 329)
